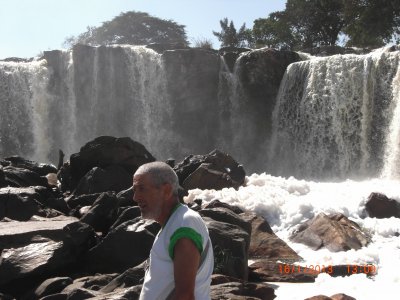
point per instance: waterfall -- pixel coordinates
(332, 116)
(23, 108)
(74, 96)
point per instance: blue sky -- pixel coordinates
(28, 27)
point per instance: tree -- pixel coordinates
(372, 23)
(137, 28)
(273, 32)
(230, 37)
(315, 22)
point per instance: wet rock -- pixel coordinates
(131, 277)
(52, 286)
(333, 297)
(41, 254)
(216, 203)
(82, 200)
(230, 245)
(19, 177)
(379, 206)
(19, 203)
(335, 232)
(103, 212)
(242, 290)
(215, 170)
(264, 243)
(105, 151)
(124, 247)
(125, 197)
(266, 270)
(39, 168)
(227, 216)
(126, 214)
(97, 180)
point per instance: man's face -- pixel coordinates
(148, 197)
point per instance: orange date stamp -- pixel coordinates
(314, 269)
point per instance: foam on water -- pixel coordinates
(286, 202)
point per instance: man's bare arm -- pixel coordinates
(186, 264)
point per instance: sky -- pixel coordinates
(28, 27)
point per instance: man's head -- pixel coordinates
(155, 187)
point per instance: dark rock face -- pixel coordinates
(19, 177)
(230, 244)
(97, 180)
(242, 290)
(333, 297)
(379, 206)
(124, 247)
(335, 232)
(20, 162)
(271, 271)
(52, 286)
(215, 170)
(105, 151)
(192, 84)
(103, 213)
(265, 243)
(43, 255)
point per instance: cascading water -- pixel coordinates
(22, 106)
(332, 116)
(119, 91)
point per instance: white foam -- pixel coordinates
(286, 202)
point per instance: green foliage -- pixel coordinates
(137, 28)
(312, 23)
(372, 23)
(273, 32)
(230, 37)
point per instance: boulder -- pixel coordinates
(264, 243)
(125, 197)
(15, 234)
(105, 151)
(51, 286)
(126, 214)
(215, 170)
(82, 200)
(97, 180)
(379, 206)
(227, 216)
(93, 283)
(335, 232)
(3, 182)
(131, 277)
(242, 290)
(123, 247)
(40, 169)
(216, 204)
(340, 296)
(230, 244)
(25, 266)
(19, 177)
(268, 270)
(103, 212)
(18, 203)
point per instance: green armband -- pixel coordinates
(185, 232)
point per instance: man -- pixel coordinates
(181, 259)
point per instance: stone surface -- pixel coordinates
(105, 151)
(219, 170)
(335, 232)
(103, 213)
(379, 206)
(242, 290)
(264, 243)
(123, 247)
(230, 245)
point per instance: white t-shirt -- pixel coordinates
(159, 278)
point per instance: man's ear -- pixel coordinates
(167, 188)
